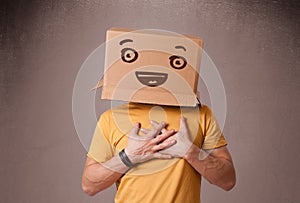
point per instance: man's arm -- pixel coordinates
(96, 177)
(217, 166)
(99, 176)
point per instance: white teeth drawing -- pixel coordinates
(155, 76)
(151, 79)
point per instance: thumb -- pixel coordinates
(183, 124)
(135, 129)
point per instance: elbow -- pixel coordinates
(230, 181)
(88, 190)
(230, 184)
(91, 189)
(226, 185)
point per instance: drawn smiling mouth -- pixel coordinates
(151, 79)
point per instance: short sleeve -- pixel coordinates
(100, 149)
(213, 137)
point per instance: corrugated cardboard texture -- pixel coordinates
(163, 67)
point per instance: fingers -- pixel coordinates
(135, 129)
(157, 128)
(160, 126)
(163, 136)
(158, 155)
(165, 144)
(164, 130)
(145, 131)
(156, 125)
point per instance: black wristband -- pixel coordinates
(124, 158)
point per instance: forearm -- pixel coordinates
(217, 170)
(97, 177)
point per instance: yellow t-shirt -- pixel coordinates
(160, 180)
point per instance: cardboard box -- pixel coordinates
(151, 66)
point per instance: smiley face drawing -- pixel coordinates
(151, 66)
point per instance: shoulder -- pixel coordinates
(111, 111)
(115, 116)
(205, 110)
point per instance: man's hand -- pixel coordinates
(140, 149)
(215, 166)
(183, 140)
(96, 177)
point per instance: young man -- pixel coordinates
(157, 147)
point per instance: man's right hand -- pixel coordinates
(140, 149)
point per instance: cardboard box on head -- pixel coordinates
(151, 66)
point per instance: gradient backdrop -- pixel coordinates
(254, 44)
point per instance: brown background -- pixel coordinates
(255, 45)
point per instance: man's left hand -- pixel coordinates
(183, 141)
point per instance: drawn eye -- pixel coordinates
(129, 55)
(177, 62)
